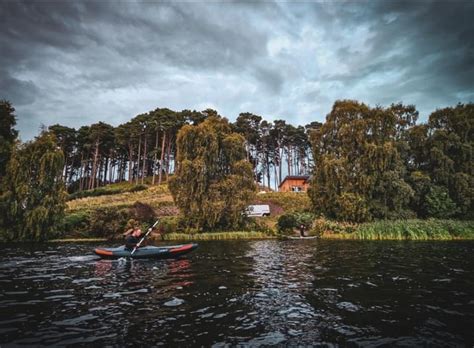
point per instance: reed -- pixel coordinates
(77, 240)
(239, 235)
(414, 229)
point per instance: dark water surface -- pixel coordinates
(345, 293)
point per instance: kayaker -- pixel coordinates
(133, 238)
(302, 227)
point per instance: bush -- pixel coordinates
(168, 225)
(286, 223)
(438, 204)
(108, 222)
(322, 225)
(76, 223)
(143, 212)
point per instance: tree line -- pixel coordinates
(365, 162)
(145, 146)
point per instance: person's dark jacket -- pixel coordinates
(131, 242)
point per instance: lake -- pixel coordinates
(333, 293)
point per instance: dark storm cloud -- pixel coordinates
(80, 62)
(428, 44)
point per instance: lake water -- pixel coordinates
(333, 293)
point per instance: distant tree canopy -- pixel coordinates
(33, 195)
(8, 134)
(213, 182)
(145, 146)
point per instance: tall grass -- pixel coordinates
(414, 229)
(217, 236)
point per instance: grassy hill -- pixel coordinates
(104, 212)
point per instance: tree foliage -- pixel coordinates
(33, 198)
(359, 171)
(442, 152)
(8, 134)
(213, 182)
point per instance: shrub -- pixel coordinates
(286, 223)
(168, 224)
(438, 204)
(76, 223)
(108, 222)
(323, 225)
(142, 212)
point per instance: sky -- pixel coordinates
(77, 63)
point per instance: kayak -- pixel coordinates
(147, 252)
(309, 237)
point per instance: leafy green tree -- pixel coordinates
(213, 182)
(33, 199)
(451, 146)
(358, 170)
(8, 134)
(438, 204)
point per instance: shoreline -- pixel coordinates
(222, 236)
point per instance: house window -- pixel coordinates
(296, 188)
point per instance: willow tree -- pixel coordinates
(8, 134)
(358, 168)
(213, 181)
(33, 199)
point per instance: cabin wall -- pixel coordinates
(287, 185)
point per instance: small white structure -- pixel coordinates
(258, 210)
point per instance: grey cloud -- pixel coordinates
(19, 92)
(84, 61)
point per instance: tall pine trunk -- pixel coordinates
(144, 160)
(162, 157)
(168, 155)
(138, 158)
(94, 165)
(130, 163)
(155, 157)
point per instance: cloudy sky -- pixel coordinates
(80, 62)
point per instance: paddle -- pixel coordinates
(144, 237)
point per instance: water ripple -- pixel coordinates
(326, 293)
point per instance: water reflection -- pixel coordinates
(282, 278)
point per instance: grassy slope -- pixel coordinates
(156, 196)
(161, 200)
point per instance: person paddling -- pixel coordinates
(133, 238)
